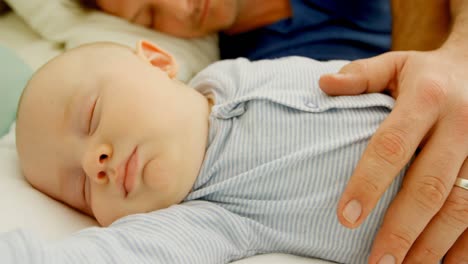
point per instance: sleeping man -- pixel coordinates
(250, 160)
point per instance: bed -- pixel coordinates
(38, 30)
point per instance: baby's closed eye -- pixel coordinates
(90, 118)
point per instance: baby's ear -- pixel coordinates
(157, 57)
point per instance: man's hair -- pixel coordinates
(92, 4)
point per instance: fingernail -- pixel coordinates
(352, 211)
(387, 259)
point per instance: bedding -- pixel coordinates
(14, 74)
(37, 31)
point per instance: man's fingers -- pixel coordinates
(389, 150)
(424, 191)
(444, 229)
(364, 76)
(458, 253)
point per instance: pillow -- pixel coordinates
(14, 74)
(65, 22)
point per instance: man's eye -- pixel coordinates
(145, 16)
(152, 14)
(91, 115)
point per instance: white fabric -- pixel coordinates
(42, 30)
(17, 35)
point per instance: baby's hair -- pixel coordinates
(92, 4)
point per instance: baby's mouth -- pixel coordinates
(130, 171)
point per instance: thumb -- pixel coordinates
(371, 75)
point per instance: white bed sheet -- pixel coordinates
(24, 207)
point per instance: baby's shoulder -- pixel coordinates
(231, 79)
(293, 66)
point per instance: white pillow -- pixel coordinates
(18, 36)
(65, 22)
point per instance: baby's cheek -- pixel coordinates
(157, 178)
(163, 185)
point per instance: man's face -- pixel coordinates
(182, 18)
(105, 137)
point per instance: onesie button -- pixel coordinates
(310, 104)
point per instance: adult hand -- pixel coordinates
(429, 216)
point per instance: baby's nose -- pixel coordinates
(95, 163)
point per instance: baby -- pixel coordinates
(250, 160)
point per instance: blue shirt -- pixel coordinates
(319, 29)
(279, 155)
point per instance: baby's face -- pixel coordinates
(105, 132)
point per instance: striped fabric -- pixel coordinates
(280, 153)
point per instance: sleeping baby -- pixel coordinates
(249, 158)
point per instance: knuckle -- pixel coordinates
(390, 147)
(430, 255)
(402, 239)
(357, 66)
(429, 192)
(434, 92)
(455, 212)
(370, 185)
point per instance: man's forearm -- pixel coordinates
(421, 24)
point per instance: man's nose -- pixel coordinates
(96, 163)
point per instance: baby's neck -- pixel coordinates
(195, 139)
(259, 13)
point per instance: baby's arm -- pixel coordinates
(195, 232)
